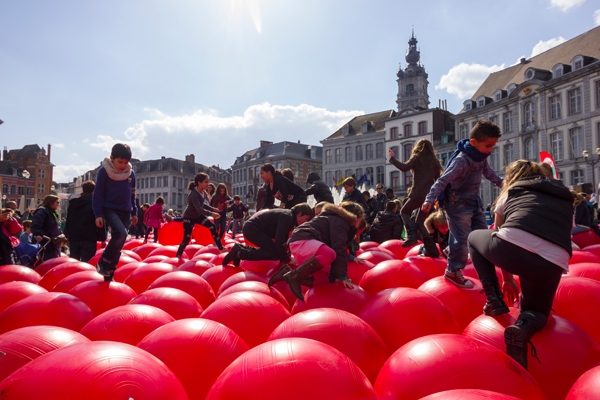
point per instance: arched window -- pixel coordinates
(359, 152)
(338, 155)
(380, 177)
(529, 114)
(530, 150)
(369, 172)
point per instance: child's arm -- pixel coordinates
(491, 175)
(407, 166)
(457, 169)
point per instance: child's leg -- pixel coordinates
(118, 222)
(213, 231)
(459, 222)
(147, 234)
(188, 226)
(155, 235)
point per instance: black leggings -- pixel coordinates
(539, 277)
(406, 212)
(267, 249)
(155, 230)
(188, 226)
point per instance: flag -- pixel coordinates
(250, 194)
(361, 180)
(339, 183)
(547, 158)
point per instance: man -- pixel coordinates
(80, 227)
(16, 213)
(380, 197)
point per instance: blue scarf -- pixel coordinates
(465, 146)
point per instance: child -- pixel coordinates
(197, 211)
(238, 210)
(372, 207)
(534, 215)
(460, 183)
(153, 217)
(113, 202)
(280, 187)
(9, 226)
(437, 226)
(220, 201)
(353, 194)
(26, 235)
(425, 169)
(322, 243)
(388, 224)
(141, 225)
(318, 188)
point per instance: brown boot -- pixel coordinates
(278, 276)
(295, 278)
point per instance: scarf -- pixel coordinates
(54, 215)
(113, 173)
(465, 146)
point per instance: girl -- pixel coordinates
(437, 227)
(278, 186)
(197, 211)
(534, 214)
(220, 201)
(46, 227)
(212, 189)
(153, 217)
(425, 169)
(322, 243)
(9, 226)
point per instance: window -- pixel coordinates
(41, 173)
(576, 142)
(13, 189)
(256, 172)
(395, 180)
(444, 139)
(507, 121)
(174, 182)
(464, 132)
(574, 101)
(468, 106)
(393, 133)
(338, 175)
(422, 127)
(410, 88)
(328, 158)
(279, 166)
(494, 120)
(328, 178)
(369, 152)
(529, 114)
(152, 179)
(577, 63)
(511, 87)
(379, 150)
(443, 159)
(577, 177)
(41, 188)
(493, 160)
(481, 103)
(147, 167)
(359, 173)
(396, 150)
(380, 176)
(508, 154)
(348, 154)
(369, 172)
(498, 95)
(407, 180)
(297, 170)
(557, 146)
(166, 197)
(338, 155)
(348, 173)
(555, 107)
(407, 130)
(557, 71)
(407, 150)
(146, 182)
(250, 173)
(530, 150)
(159, 181)
(160, 166)
(5, 189)
(21, 190)
(359, 153)
(598, 93)
(180, 183)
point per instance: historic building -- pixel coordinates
(551, 103)
(412, 80)
(302, 159)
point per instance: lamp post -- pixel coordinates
(593, 161)
(26, 175)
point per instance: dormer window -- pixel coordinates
(577, 63)
(160, 166)
(480, 101)
(364, 128)
(529, 74)
(511, 87)
(498, 95)
(557, 71)
(468, 106)
(148, 168)
(346, 130)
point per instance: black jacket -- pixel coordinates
(318, 188)
(287, 189)
(357, 197)
(372, 210)
(237, 210)
(277, 224)
(44, 224)
(81, 222)
(387, 226)
(334, 227)
(543, 207)
(582, 215)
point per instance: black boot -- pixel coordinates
(411, 235)
(494, 303)
(518, 335)
(278, 276)
(233, 255)
(295, 278)
(430, 248)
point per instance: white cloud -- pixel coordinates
(542, 46)
(597, 17)
(66, 173)
(215, 139)
(59, 145)
(464, 79)
(565, 5)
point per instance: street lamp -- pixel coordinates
(593, 163)
(26, 175)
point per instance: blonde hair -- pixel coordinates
(353, 208)
(577, 198)
(435, 219)
(518, 170)
(547, 170)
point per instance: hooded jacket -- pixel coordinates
(388, 225)
(81, 225)
(334, 227)
(318, 188)
(114, 189)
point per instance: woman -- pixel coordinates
(45, 228)
(9, 226)
(534, 215)
(221, 201)
(279, 187)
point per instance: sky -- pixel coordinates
(214, 77)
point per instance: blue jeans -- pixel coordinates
(464, 216)
(118, 222)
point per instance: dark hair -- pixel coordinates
(389, 190)
(49, 199)
(288, 174)
(350, 181)
(353, 208)
(390, 206)
(303, 208)
(88, 186)
(268, 168)
(27, 223)
(121, 150)
(159, 200)
(236, 197)
(198, 179)
(146, 205)
(366, 193)
(485, 130)
(213, 187)
(218, 191)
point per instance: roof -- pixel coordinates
(30, 150)
(172, 164)
(586, 44)
(376, 121)
(282, 149)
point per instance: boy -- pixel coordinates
(239, 210)
(114, 203)
(80, 228)
(460, 183)
(388, 224)
(353, 194)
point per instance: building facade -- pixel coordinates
(412, 80)
(551, 103)
(302, 159)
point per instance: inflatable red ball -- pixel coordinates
(581, 256)
(403, 314)
(11, 292)
(19, 346)
(132, 254)
(594, 249)
(435, 363)
(197, 267)
(261, 266)
(260, 287)
(132, 244)
(375, 256)
(126, 324)
(10, 273)
(171, 233)
(292, 368)
(58, 273)
(101, 296)
(177, 303)
(142, 277)
(125, 270)
(47, 265)
(332, 295)
(251, 315)
(243, 276)
(202, 235)
(587, 386)
(395, 246)
(431, 266)
(169, 251)
(392, 274)
(218, 274)
(585, 239)
(75, 279)
(190, 283)
(356, 270)
(196, 350)
(590, 270)
(366, 245)
(342, 331)
(96, 370)
(469, 394)
(146, 249)
(214, 250)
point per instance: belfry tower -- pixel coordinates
(412, 81)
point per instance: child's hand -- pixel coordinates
(99, 222)
(391, 153)
(426, 206)
(216, 215)
(346, 282)
(510, 291)
(134, 220)
(359, 260)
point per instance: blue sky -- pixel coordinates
(213, 77)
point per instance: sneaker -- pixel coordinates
(458, 279)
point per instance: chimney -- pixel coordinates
(49, 148)
(264, 143)
(190, 158)
(522, 60)
(5, 153)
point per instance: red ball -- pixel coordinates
(19, 346)
(11, 292)
(190, 283)
(414, 250)
(342, 331)
(58, 273)
(251, 315)
(191, 249)
(75, 279)
(132, 254)
(431, 266)
(332, 295)
(395, 246)
(356, 270)
(169, 251)
(218, 274)
(218, 259)
(47, 265)
(594, 249)
(587, 386)
(171, 233)
(435, 363)
(590, 270)
(243, 276)
(177, 303)
(50, 308)
(469, 394)
(392, 274)
(376, 256)
(132, 244)
(581, 256)
(564, 349)
(103, 370)
(574, 299)
(124, 271)
(146, 249)
(585, 239)
(254, 286)
(155, 259)
(366, 245)
(261, 266)
(214, 250)
(142, 277)
(10, 273)
(102, 296)
(202, 235)
(126, 324)
(204, 257)
(196, 350)
(197, 267)
(403, 314)
(292, 368)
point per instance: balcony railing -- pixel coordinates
(528, 127)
